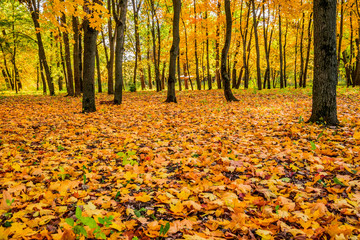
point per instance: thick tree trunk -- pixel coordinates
(324, 109)
(174, 52)
(119, 50)
(224, 74)
(90, 34)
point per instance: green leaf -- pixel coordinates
(161, 229)
(117, 195)
(70, 221)
(101, 235)
(131, 153)
(285, 179)
(167, 227)
(137, 213)
(61, 169)
(337, 181)
(313, 146)
(135, 238)
(320, 135)
(7, 224)
(84, 178)
(78, 213)
(101, 220)
(88, 221)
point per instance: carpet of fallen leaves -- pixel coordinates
(213, 170)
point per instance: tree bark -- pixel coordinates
(281, 56)
(258, 70)
(120, 20)
(198, 83)
(34, 10)
(224, 74)
(90, 35)
(174, 52)
(217, 47)
(98, 70)
(324, 109)
(76, 56)
(207, 53)
(65, 35)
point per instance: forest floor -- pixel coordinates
(199, 169)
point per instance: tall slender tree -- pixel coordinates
(224, 73)
(120, 20)
(171, 97)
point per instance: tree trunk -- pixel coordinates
(120, 20)
(178, 71)
(163, 76)
(65, 36)
(301, 51)
(90, 34)
(224, 74)
(156, 60)
(98, 70)
(324, 108)
(34, 9)
(174, 52)
(187, 59)
(281, 56)
(198, 83)
(76, 56)
(217, 47)
(149, 69)
(284, 54)
(258, 70)
(207, 53)
(110, 62)
(307, 53)
(296, 47)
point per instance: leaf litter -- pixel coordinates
(199, 169)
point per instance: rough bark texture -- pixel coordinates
(171, 97)
(224, 74)
(90, 34)
(119, 51)
(324, 108)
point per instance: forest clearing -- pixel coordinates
(199, 169)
